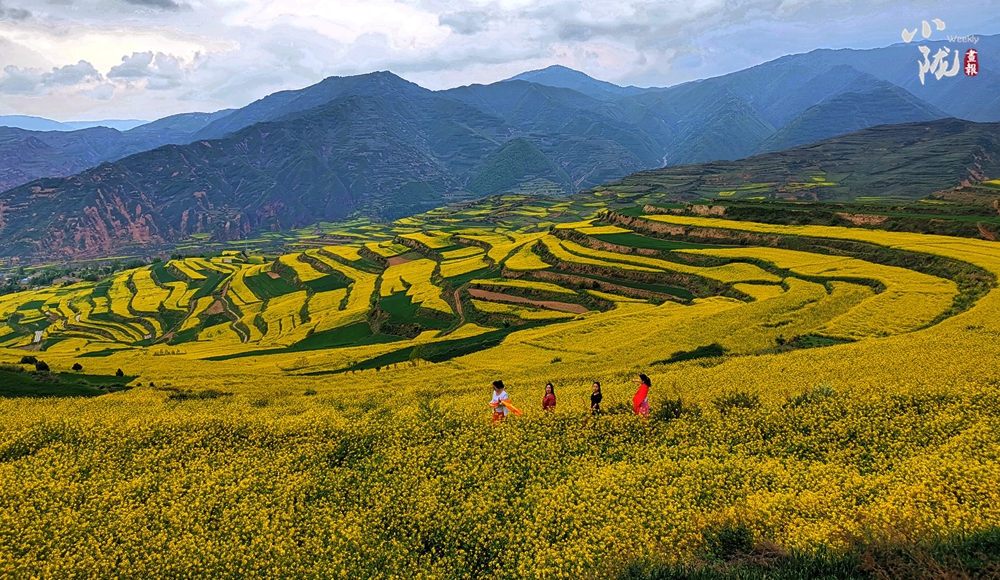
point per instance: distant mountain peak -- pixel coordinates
(374, 75)
(553, 70)
(563, 77)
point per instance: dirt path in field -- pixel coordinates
(224, 303)
(498, 297)
(458, 308)
(217, 307)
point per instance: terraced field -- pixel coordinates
(428, 277)
(816, 390)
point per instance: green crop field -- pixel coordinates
(265, 286)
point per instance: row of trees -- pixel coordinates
(18, 279)
(42, 366)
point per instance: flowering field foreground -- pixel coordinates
(251, 467)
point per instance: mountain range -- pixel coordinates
(28, 155)
(379, 146)
(42, 124)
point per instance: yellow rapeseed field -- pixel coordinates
(909, 301)
(292, 465)
(414, 278)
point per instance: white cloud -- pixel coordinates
(158, 57)
(345, 21)
(104, 44)
(160, 71)
(103, 92)
(163, 4)
(15, 14)
(31, 82)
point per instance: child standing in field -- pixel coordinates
(501, 403)
(640, 402)
(499, 396)
(549, 400)
(595, 399)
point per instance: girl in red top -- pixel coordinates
(549, 400)
(640, 402)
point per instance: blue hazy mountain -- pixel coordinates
(380, 146)
(189, 123)
(566, 78)
(907, 160)
(118, 124)
(30, 123)
(26, 155)
(635, 128)
(287, 104)
(42, 124)
(866, 102)
(517, 163)
(587, 137)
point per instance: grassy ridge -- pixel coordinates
(15, 382)
(733, 555)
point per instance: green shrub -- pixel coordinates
(736, 400)
(197, 395)
(670, 409)
(813, 395)
(728, 541)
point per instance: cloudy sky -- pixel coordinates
(144, 59)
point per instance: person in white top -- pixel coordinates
(499, 396)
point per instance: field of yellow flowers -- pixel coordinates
(255, 468)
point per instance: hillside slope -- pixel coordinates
(26, 155)
(910, 160)
(516, 162)
(375, 154)
(865, 104)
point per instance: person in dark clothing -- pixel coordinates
(595, 399)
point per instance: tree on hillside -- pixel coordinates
(77, 367)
